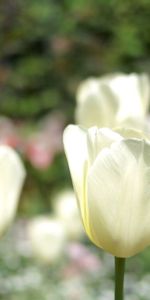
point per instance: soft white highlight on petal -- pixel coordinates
(76, 151)
(113, 100)
(133, 93)
(119, 213)
(97, 139)
(12, 174)
(95, 104)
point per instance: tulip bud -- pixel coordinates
(12, 174)
(47, 237)
(111, 178)
(113, 100)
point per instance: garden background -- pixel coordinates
(46, 48)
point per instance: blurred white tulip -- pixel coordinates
(113, 100)
(12, 175)
(111, 178)
(47, 237)
(65, 207)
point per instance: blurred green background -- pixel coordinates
(46, 48)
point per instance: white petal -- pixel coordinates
(12, 174)
(116, 199)
(131, 133)
(96, 104)
(76, 151)
(97, 139)
(144, 88)
(132, 92)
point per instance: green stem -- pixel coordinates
(119, 278)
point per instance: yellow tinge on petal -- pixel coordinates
(77, 154)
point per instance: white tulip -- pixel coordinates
(111, 178)
(65, 207)
(12, 175)
(47, 237)
(113, 100)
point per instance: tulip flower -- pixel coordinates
(38, 152)
(113, 100)
(47, 237)
(12, 174)
(111, 179)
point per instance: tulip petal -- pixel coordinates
(116, 186)
(131, 133)
(132, 92)
(96, 104)
(76, 151)
(144, 88)
(12, 174)
(97, 139)
(113, 99)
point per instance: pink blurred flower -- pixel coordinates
(52, 126)
(42, 146)
(37, 151)
(82, 260)
(9, 134)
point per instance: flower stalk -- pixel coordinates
(119, 278)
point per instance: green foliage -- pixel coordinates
(47, 47)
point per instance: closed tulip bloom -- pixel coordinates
(113, 100)
(47, 237)
(12, 175)
(111, 179)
